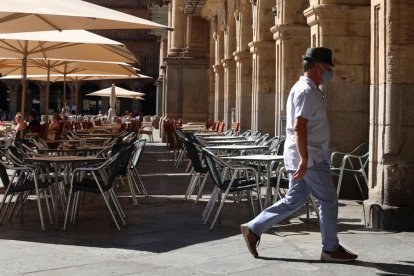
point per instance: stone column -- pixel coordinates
(292, 36)
(229, 71)
(243, 58)
(391, 171)
(229, 90)
(219, 92)
(344, 29)
(219, 75)
(263, 85)
(263, 94)
(178, 21)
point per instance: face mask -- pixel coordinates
(327, 76)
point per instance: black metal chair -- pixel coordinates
(231, 181)
(24, 180)
(99, 180)
(199, 170)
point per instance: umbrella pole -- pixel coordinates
(64, 89)
(24, 83)
(76, 99)
(47, 88)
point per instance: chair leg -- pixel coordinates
(67, 208)
(200, 190)
(3, 202)
(187, 193)
(209, 205)
(132, 189)
(118, 208)
(39, 204)
(219, 210)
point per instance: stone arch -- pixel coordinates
(32, 93)
(4, 101)
(90, 105)
(123, 104)
(56, 96)
(148, 106)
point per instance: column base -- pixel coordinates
(384, 217)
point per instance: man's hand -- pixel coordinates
(300, 173)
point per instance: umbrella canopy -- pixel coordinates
(10, 67)
(119, 92)
(73, 45)
(77, 77)
(29, 15)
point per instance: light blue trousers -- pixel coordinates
(318, 182)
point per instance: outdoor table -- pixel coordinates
(209, 133)
(55, 160)
(104, 135)
(93, 140)
(106, 128)
(71, 151)
(217, 137)
(233, 148)
(230, 142)
(267, 161)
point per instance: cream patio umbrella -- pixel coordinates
(113, 92)
(45, 15)
(119, 92)
(74, 45)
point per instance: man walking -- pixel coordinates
(307, 158)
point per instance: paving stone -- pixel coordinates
(164, 236)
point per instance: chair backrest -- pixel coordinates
(138, 148)
(44, 128)
(121, 164)
(261, 140)
(193, 154)
(208, 158)
(221, 127)
(4, 176)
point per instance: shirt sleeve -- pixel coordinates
(303, 104)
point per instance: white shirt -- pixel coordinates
(307, 100)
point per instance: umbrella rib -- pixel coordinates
(12, 47)
(48, 22)
(12, 17)
(120, 51)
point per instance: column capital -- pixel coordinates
(218, 68)
(241, 55)
(290, 30)
(260, 46)
(336, 13)
(228, 62)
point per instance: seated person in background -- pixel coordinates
(55, 122)
(34, 124)
(20, 124)
(54, 127)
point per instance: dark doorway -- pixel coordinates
(149, 106)
(90, 105)
(4, 102)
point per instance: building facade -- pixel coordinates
(236, 60)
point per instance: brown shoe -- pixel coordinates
(339, 255)
(252, 241)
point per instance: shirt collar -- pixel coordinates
(312, 84)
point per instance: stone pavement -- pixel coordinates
(165, 236)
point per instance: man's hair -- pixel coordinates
(308, 65)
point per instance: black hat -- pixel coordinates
(319, 54)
